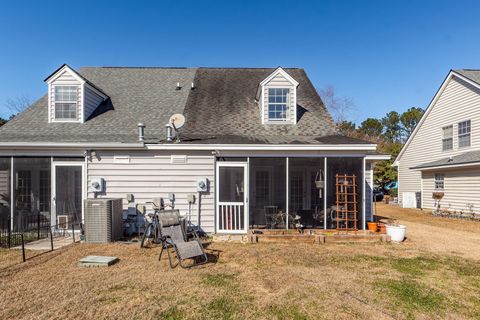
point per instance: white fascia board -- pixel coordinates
(69, 70)
(283, 73)
(378, 157)
(264, 147)
(429, 108)
(68, 145)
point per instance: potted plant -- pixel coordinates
(372, 226)
(382, 228)
(396, 231)
(319, 183)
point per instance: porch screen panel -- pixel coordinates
(32, 187)
(68, 192)
(268, 193)
(343, 166)
(5, 195)
(306, 191)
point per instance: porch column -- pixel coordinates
(12, 195)
(325, 184)
(363, 193)
(288, 194)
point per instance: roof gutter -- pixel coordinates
(70, 145)
(264, 147)
(378, 157)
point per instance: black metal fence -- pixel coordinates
(15, 236)
(30, 228)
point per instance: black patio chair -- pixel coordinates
(173, 236)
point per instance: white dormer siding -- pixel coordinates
(88, 98)
(286, 85)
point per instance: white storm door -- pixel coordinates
(67, 193)
(232, 197)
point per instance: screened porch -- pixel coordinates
(290, 193)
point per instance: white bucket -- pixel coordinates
(397, 233)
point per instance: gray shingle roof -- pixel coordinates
(471, 74)
(464, 158)
(145, 95)
(221, 109)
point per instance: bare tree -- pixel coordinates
(18, 104)
(339, 107)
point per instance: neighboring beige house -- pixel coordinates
(443, 152)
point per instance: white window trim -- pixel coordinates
(443, 137)
(435, 181)
(287, 118)
(52, 105)
(465, 134)
(77, 106)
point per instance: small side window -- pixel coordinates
(464, 130)
(439, 181)
(447, 138)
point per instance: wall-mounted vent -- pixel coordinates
(178, 159)
(121, 159)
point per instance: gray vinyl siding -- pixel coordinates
(461, 186)
(91, 101)
(280, 82)
(65, 79)
(458, 102)
(151, 174)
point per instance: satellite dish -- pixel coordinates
(177, 120)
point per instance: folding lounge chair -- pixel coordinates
(172, 232)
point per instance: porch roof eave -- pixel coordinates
(264, 147)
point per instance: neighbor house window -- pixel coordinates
(66, 99)
(439, 181)
(447, 138)
(464, 129)
(277, 104)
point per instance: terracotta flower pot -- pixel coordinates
(372, 226)
(383, 228)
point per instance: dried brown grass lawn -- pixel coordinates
(261, 281)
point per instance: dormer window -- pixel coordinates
(277, 104)
(66, 101)
(277, 98)
(71, 97)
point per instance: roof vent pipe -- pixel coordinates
(193, 86)
(178, 86)
(169, 132)
(141, 132)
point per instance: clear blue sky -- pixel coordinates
(385, 55)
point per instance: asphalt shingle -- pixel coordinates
(464, 158)
(221, 109)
